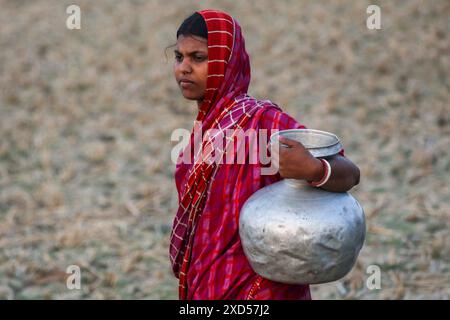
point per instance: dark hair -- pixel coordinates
(193, 25)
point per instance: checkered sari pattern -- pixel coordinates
(205, 249)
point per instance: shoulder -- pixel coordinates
(275, 118)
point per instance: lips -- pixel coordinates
(186, 84)
(186, 81)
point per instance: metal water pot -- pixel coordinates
(297, 234)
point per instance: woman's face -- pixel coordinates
(191, 66)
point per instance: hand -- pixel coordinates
(296, 162)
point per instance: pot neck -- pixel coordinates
(296, 183)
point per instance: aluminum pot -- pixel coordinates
(297, 234)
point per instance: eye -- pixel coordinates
(178, 57)
(199, 58)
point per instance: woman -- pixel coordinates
(212, 67)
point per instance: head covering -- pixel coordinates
(226, 105)
(228, 79)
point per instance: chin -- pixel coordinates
(189, 96)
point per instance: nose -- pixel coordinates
(185, 66)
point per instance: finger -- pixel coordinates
(284, 151)
(289, 142)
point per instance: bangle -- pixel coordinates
(326, 175)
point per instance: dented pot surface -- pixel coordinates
(297, 234)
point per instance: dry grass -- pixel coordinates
(86, 118)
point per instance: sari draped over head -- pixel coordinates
(205, 249)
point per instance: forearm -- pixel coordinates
(296, 162)
(344, 174)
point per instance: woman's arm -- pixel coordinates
(344, 174)
(296, 162)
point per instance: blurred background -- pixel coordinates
(86, 117)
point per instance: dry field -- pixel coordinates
(86, 117)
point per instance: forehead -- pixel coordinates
(191, 43)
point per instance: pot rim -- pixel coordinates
(315, 131)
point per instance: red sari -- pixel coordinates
(205, 251)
